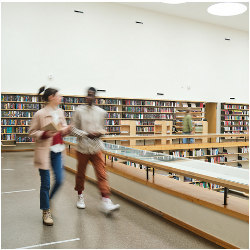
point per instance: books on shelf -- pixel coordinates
(17, 114)
(217, 159)
(111, 122)
(143, 123)
(11, 137)
(144, 129)
(234, 118)
(179, 153)
(78, 100)
(108, 101)
(24, 139)
(243, 150)
(18, 106)
(213, 151)
(16, 122)
(235, 106)
(198, 152)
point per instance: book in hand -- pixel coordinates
(51, 127)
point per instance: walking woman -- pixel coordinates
(49, 147)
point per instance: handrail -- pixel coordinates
(167, 166)
(171, 136)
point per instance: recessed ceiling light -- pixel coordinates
(173, 1)
(227, 9)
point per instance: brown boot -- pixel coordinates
(47, 218)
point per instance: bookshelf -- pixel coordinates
(197, 112)
(128, 128)
(19, 108)
(17, 112)
(234, 118)
(163, 128)
(232, 156)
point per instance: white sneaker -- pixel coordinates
(80, 203)
(107, 206)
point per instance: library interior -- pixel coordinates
(147, 101)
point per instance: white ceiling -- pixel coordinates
(196, 11)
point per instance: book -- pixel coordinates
(51, 127)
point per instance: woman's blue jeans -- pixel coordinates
(187, 140)
(57, 166)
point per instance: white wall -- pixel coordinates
(105, 48)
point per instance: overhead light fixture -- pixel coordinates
(227, 9)
(173, 1)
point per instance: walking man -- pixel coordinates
(88, 126)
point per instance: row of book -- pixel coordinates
(9, 98)
(148, 109)
(98, 101)
(149, 116)
(67, 99)
(16, 122)
(10, 137)
(16, 138)
(243, 150)
(179, 153)
(18, 113)
(14, 129)
(114, 115)
(111, 122)
(192, 105)
(21, 106)
(213, 151)
(110, 108)
(144, 123)
(7, 129)
(235, 112)
(113, 129)
(217, 159)
(22, 130)
(230, 123)
(23, 98)
(149, 103)
(144, 129)
(69, 114)
(236, 118)
(234, 106)
(235, 132)
(197, 152)
(241, 128)
(20, 98)
(206, 185)
(73, 99)
(108, 101)
(24, 139)
(68, 107)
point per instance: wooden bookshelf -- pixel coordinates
(234, 118)
(163, 128)
(128, 128)
(19, 108)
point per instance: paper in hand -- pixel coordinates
(51, 127)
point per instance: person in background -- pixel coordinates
(188, 127)
(88, 126)
(49, 147)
